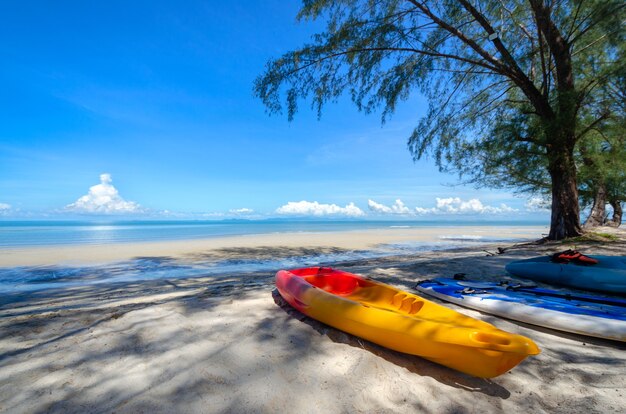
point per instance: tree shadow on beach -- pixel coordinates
(220, 341)
(267, 253)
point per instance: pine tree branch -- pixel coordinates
(391, 49)
(559, 48)
(605, 11)
(502, 69)
(517, 75)
(604, 116)
(512, 72)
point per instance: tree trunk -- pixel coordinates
(598, 210)
(617, 214)
(560, 128)
(565, 220)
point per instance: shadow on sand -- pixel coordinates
(218, 343)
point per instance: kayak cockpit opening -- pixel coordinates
(337, 284)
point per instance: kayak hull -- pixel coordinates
(566, 311)
(609, 275)
(402, 321)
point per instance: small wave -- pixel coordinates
(462, 237)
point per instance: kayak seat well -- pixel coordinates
(336, 284)
(365, 292)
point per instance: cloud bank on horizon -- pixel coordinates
(538, 204)
(397, 208)
(104, 198)
(454, 205)
(313, 208)
(444, 206)
(243, 210)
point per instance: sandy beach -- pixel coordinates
(190, 249)
(228, 343)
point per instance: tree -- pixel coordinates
(602, 177)
(603, 154)
(505, 80)
(616, 179)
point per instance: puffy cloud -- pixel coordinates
(454, 205)
(450, 205)
(538, 204)
(397, 208)
(103, 198)
(308, 208)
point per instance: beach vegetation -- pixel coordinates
(592, 236)
(513, 86)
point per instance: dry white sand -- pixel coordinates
(223, 344)
(88, 254)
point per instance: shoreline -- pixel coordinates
(349, 240)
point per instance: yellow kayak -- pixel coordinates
(402, 321)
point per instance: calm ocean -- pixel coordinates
(14, 234)
(51, 233)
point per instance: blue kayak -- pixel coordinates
(592, 315)
(608, 275)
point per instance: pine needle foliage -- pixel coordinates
(512, 85)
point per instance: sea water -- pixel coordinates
(23, 234)
(51, 233)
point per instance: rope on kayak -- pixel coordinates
(427, 281)
(472, 291)
(519, 286)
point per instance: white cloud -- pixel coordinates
(103, 198)
(212, 214)
(397, 208)
(454, 205)
(5, 209)
(538, 204)
(242, 211)
(308, 208)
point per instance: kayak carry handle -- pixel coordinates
(490, 338)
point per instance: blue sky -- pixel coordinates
(151, 102)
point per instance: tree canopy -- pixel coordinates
(512, 85)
